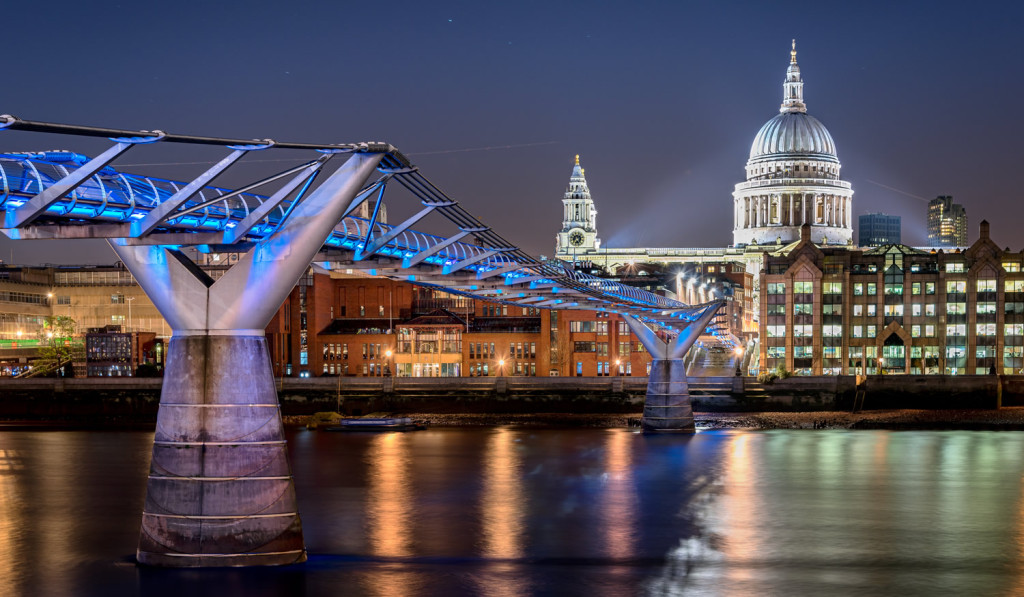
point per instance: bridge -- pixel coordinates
(220, 490)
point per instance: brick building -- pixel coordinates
(893, 309)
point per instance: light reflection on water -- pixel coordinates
(519, 511)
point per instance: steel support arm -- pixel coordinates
(58, 190)
(422, 255)
(654, 345)
(689, 335)
(163, 211)
(372, 247)
(232, 235)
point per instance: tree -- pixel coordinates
(55, 346)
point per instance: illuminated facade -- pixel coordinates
(578, 235)
(947, 223)
(792, 178)
(893, 309)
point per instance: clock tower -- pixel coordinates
(578, 236)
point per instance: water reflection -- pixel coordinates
(389, 494)
(11, 466)
(523, 512)
(501, 507)
(618, 498)
(502, 500)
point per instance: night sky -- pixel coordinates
(493, 100)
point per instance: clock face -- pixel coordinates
(576, 238)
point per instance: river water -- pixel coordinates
(516, 511)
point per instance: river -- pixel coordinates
(513, 511)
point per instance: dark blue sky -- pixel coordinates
(662, 100)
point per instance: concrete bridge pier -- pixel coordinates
(667, 407)
(220, 490)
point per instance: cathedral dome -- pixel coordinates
(792, 133)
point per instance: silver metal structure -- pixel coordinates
(220, 490)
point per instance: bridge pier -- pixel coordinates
(667, 407)
(667, 404)
(220, 490)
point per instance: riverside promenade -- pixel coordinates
(136, 399)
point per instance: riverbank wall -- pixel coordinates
(138, 398)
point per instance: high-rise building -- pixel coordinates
(793, 178)
(875, 230)
(947, 223)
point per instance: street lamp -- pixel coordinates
(387, 354)
(739, 360)
(618, 367)
(501, 367)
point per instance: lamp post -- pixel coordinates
(387, 364)
(501, 367)
(618, 367)
(739, 360)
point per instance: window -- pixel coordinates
(63, 299)
(929, 331)
(803, 331)
(986, 329)
(872, 289)
(956, 308)
(1011, 266)
(986, 285)
(777, 288)
(929, 310)
(915, 288)
(803, 309)
(929, 287)
(117, 299)
(858, 289)
(1014, 286)
(776, 331)
(858, 331)
(872, 331)
(803, 287)
(776, 309)
(915, 331)
(872, 310)
(858, 310)
(956, 267)
(776, 352)
(958, 329)
(1014, 329)
(915, 310)
(836, 309)
(832, 331)
(956, 286)
(832, 288)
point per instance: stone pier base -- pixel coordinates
(667, 407)
(220, 489)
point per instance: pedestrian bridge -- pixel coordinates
(220, 490)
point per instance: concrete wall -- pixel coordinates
(105, 400)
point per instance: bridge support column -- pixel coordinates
(220, 490)
(667, 405)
